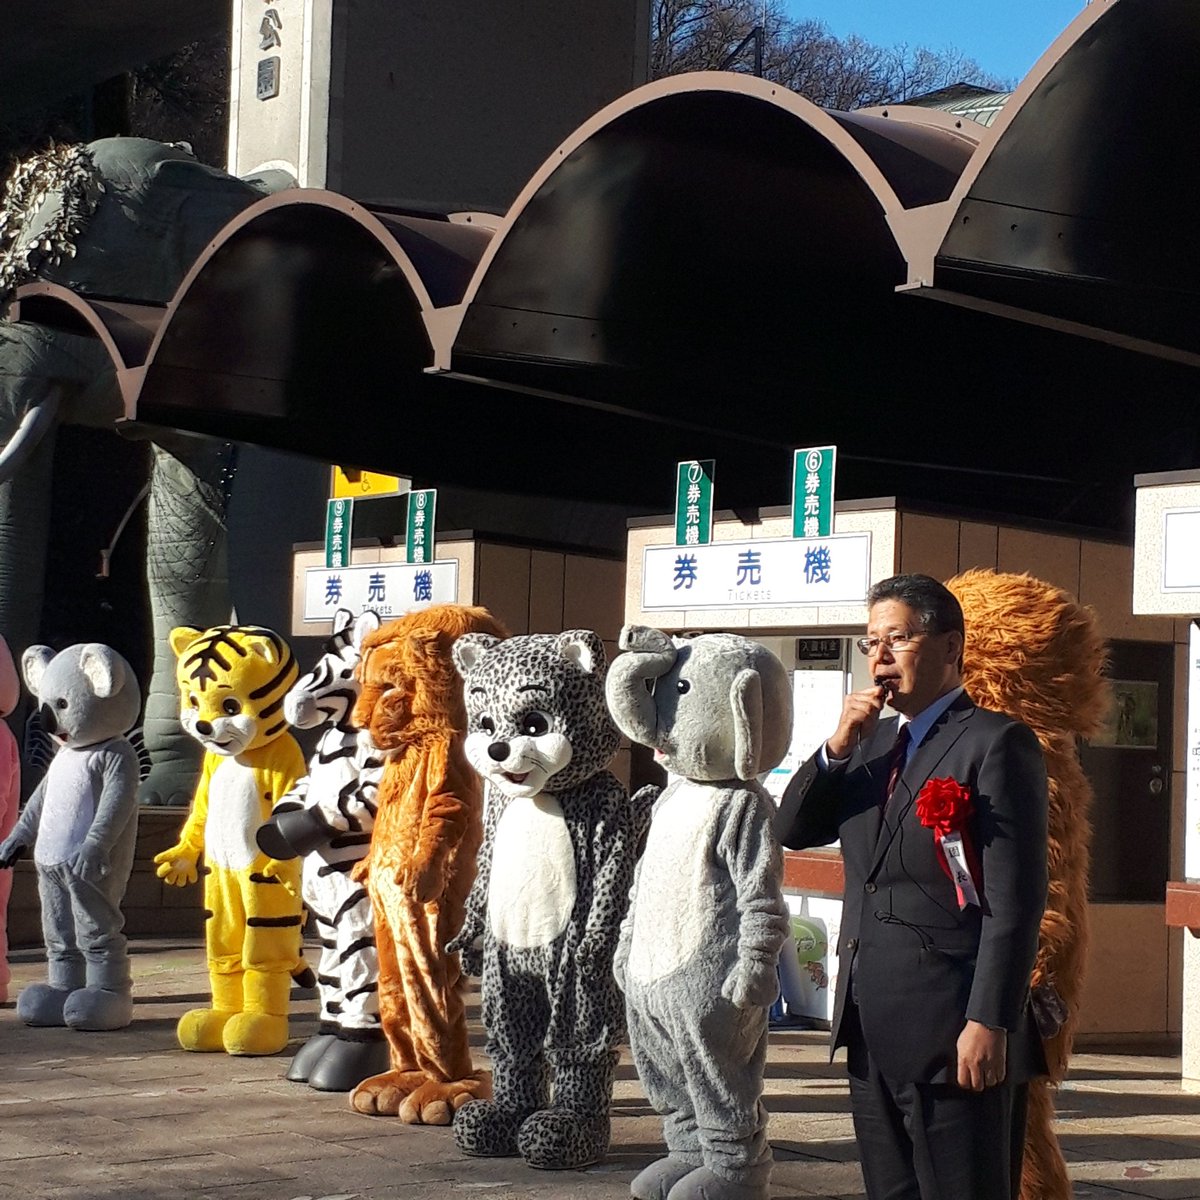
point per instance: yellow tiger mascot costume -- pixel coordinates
(232, 680)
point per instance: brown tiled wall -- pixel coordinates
(1097, 573)
(545, 591)
(542, 591)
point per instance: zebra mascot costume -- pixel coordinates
(327, 817)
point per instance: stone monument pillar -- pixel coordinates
(423, 103)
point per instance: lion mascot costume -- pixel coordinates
(421, 862)
(1036, 654)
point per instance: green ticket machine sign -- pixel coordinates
(812, 491)
(422, 510)
(339, 516)
(694, 502)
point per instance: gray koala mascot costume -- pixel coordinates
(554, 872)
(697, 962)
(82, 824)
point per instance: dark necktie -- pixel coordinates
(896, 758)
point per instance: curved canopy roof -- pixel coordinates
(714, 267)
(1080, 208)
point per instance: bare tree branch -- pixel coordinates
(840, 73)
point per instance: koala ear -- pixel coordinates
(585, 649)
(343, 618)
(34, 662)
(367, 622)
(104, 669)
(747, 701)
(469, 649)
(181, 637)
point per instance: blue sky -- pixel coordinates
(1006, 39)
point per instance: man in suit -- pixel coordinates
(933, 995)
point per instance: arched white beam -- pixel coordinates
(125, 330)
(849, 135)
(304, 302)
(436, 258)
(1095, 10)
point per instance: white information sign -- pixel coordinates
(391, 589)
(769, 573)
(1181, 550)
(817, 697)
(1191, 844)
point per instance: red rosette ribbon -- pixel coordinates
(945, 806)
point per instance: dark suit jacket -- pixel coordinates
(922, 967)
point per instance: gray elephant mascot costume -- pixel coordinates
(543, 918)
(81, 822)
(706, 919)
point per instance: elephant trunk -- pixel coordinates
(189, 585)
(629, 687)
(37, 422)
(24, 535)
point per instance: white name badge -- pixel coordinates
(956, 858)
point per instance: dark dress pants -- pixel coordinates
(930, 1141)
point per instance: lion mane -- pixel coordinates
(1033, 652)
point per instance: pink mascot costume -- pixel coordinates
(10, 794)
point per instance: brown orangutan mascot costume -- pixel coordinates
(1033, 652)
(421, 863)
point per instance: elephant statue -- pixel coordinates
(120, 217)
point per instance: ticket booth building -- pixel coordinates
(1166, 586)
(1132, 992)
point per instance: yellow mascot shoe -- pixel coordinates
(263, 1027)
(202, 1029)
(255, 1033)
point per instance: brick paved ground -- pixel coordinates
(130, 1115)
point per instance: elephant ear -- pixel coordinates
(10, 685)
(103, 668)
(746, 698)
(469, 649)
(181, 637)
(34, 662)
(585, 649)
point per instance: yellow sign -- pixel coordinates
(349, 483)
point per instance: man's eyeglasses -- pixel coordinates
(890, 641)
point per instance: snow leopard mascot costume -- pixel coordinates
(553, 883)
